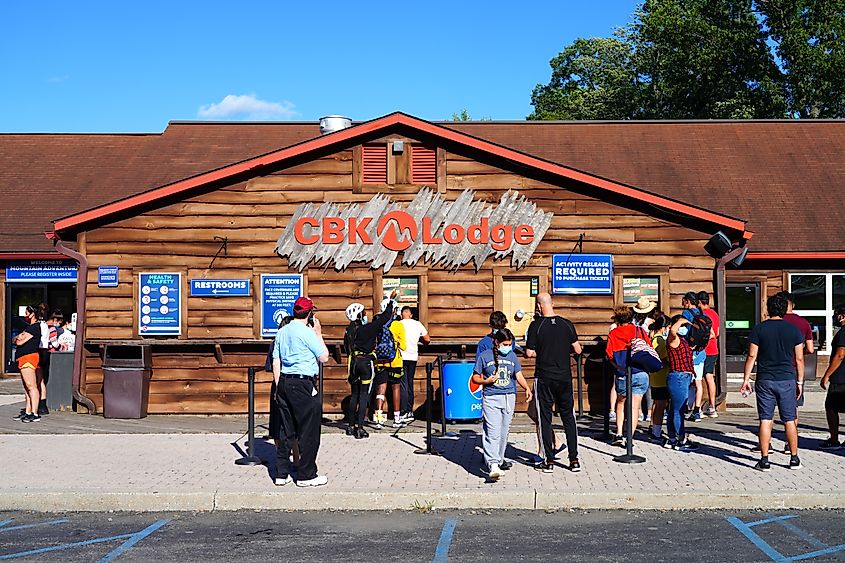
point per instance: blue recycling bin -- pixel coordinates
(461, 397)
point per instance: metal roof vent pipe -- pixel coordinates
(332, 123)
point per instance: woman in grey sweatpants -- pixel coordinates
(498, 371)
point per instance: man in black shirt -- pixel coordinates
(778, 349)
(551, 339)
(835, 377)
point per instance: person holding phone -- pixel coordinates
(297, 349)
(498, 370)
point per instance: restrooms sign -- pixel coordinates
(429, 228)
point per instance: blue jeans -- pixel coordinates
(677, 382)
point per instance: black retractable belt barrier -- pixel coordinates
(250, 458)
(320, 388)
(629, 456)
(429, 398)
(442, 393)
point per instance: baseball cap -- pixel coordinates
(303, 305)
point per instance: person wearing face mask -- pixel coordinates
(834, 376)
(681, 373)
(658, 330)
(498, 371)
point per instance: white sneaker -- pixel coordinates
(495, 472)
(315, 482)
(280, 482)
(399, 423)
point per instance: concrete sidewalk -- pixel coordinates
(157, 472)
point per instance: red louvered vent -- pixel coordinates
(423, 165)
(374, 159)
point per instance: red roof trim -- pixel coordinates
(375, 125)
(30, 255)
(795, 256)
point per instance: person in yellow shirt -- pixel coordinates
(390, 371)
(657, 380)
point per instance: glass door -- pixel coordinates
(18, 296)
(742, 313)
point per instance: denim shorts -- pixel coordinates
(639, 382)
(780, 393)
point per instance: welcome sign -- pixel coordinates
(429, 228)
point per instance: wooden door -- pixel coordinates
(516, 294)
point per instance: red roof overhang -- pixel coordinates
(369, 130)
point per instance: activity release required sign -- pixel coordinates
(278, 294)
(582, 274)
(160, 304)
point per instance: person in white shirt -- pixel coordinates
(414, 332)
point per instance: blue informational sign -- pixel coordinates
(582, 274)
(278, 294)
(160, 304)
(41, 271)
(219, 288)
(107, 276)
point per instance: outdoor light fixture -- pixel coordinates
(398, 147)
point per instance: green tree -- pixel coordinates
(809, 37)
(705, 59)
(591, 79)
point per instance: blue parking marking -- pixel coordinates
(441, 554)
(770, 520)
(761, 544)
(129, 543)
(745, 529)
(26, 526)
(4, 522)
(64, 546)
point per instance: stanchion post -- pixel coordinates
(629, 456)
(579, 371)
(320, 389)
(250, 458)
(606, 391)
(442, 395)
(429, 397)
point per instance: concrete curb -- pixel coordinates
(293, 498)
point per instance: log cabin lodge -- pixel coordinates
(194, 239)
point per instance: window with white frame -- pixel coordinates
(816, 294)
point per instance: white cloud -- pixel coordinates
(247, 106)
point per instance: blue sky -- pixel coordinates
(121, 66)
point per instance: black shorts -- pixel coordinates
(710, 364)
(660, 393)
(835, 400)
(386, 374)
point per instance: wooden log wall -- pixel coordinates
(251, 214)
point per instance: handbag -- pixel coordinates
(643, 355)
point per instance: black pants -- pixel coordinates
(550, 392)
(299, 410)
(409, 368)
(361, 370)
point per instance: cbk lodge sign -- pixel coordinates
(429, 228)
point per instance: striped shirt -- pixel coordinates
(680, 358)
